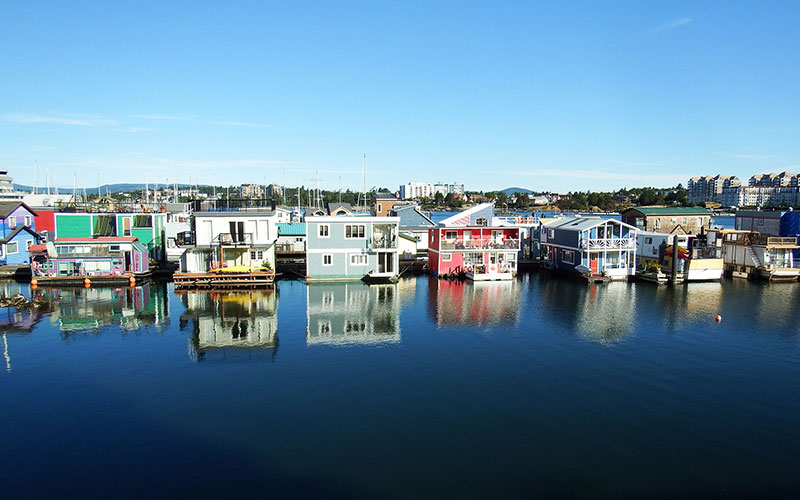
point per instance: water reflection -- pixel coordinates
(598, 313)
(83, 310)
(13, 320)
(352, 313)
(455, 303)
(232, 326)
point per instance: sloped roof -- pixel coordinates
(18, 230)
(669, 210)
(333, 207)
(7, 207)
(583, 223)
(453, 219)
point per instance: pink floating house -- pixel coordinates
(99, 256)
(468, 243)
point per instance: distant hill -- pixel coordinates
(113, 188)
(513, 190)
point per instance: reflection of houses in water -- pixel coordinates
(353, 313)
(78, 310)
(603, 313)
(15, 321)
(454, 303)
(232, 325)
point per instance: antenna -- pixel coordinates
(35, 175)
(47, 175)
(363, 182)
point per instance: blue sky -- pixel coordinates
(549, 95)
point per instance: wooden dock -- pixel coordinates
(223, 280)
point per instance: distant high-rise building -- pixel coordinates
(709, 188)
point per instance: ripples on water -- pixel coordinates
(537, 387)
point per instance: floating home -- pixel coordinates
(469, 244)
(697, 259)
(106, 259)
(18, 235)
(749, 254)
(771, 223)
(351, 247)
(147, 227)
(590, 246)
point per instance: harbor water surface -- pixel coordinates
(534, 388)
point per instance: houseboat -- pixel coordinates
(17, 235)
(105, 260)
(697, 260)
(352, 247)
(595, 248)
(750, 254)
(469, 245)
(229, 249)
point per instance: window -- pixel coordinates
(657, 223)
(113, 248)
(551, 233)
(567, 257)
(354, 231)
(355, 326)
(142, 221)
(380, 208)
(1, 250)
(447, 257)
(324, 230)
(685, 220)
(11, 248)
(28, 220)
(324, 327)
(481, 221)
(648, 240)
(450, 235)
(358, 260)
(327, 260)
(126, 226)
(12, 221)
(28, 244)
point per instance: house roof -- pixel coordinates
(334, 206)
(37, 248)
(408, 237)
(291, 228)
(583, 223)
(99, 239)
(466, 213)
(385, 196)
(18, 230)
(668, 211)
(7, 207)
(760, 214)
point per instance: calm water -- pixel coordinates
(537, 388)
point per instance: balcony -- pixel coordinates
(481, 244)
(608, 244)
(233, 239)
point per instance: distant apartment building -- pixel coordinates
(251, 191)
(760, 196)
(709, 187)
(414, 190)
(775, 180)
(274, 190)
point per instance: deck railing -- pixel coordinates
(233, 239)
(384, 242)
(480, 244)
(521, 220)
(608, 243)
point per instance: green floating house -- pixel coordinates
(148, 228)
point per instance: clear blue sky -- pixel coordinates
(545, 95)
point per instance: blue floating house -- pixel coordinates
(18, 233)
(590, 246)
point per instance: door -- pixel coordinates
(593, 264)
(467, 237)
(126, 226)
(385, 262)
(127, 267)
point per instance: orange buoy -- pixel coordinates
(34, 282)
(718, 318)
(87, 282)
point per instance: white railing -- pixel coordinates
(609, 243)
(520, 220)
(480, 244)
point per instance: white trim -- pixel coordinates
(323, 259)
(16, 248)
(365, 256)
(327, 230)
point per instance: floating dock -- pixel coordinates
(224, 280)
